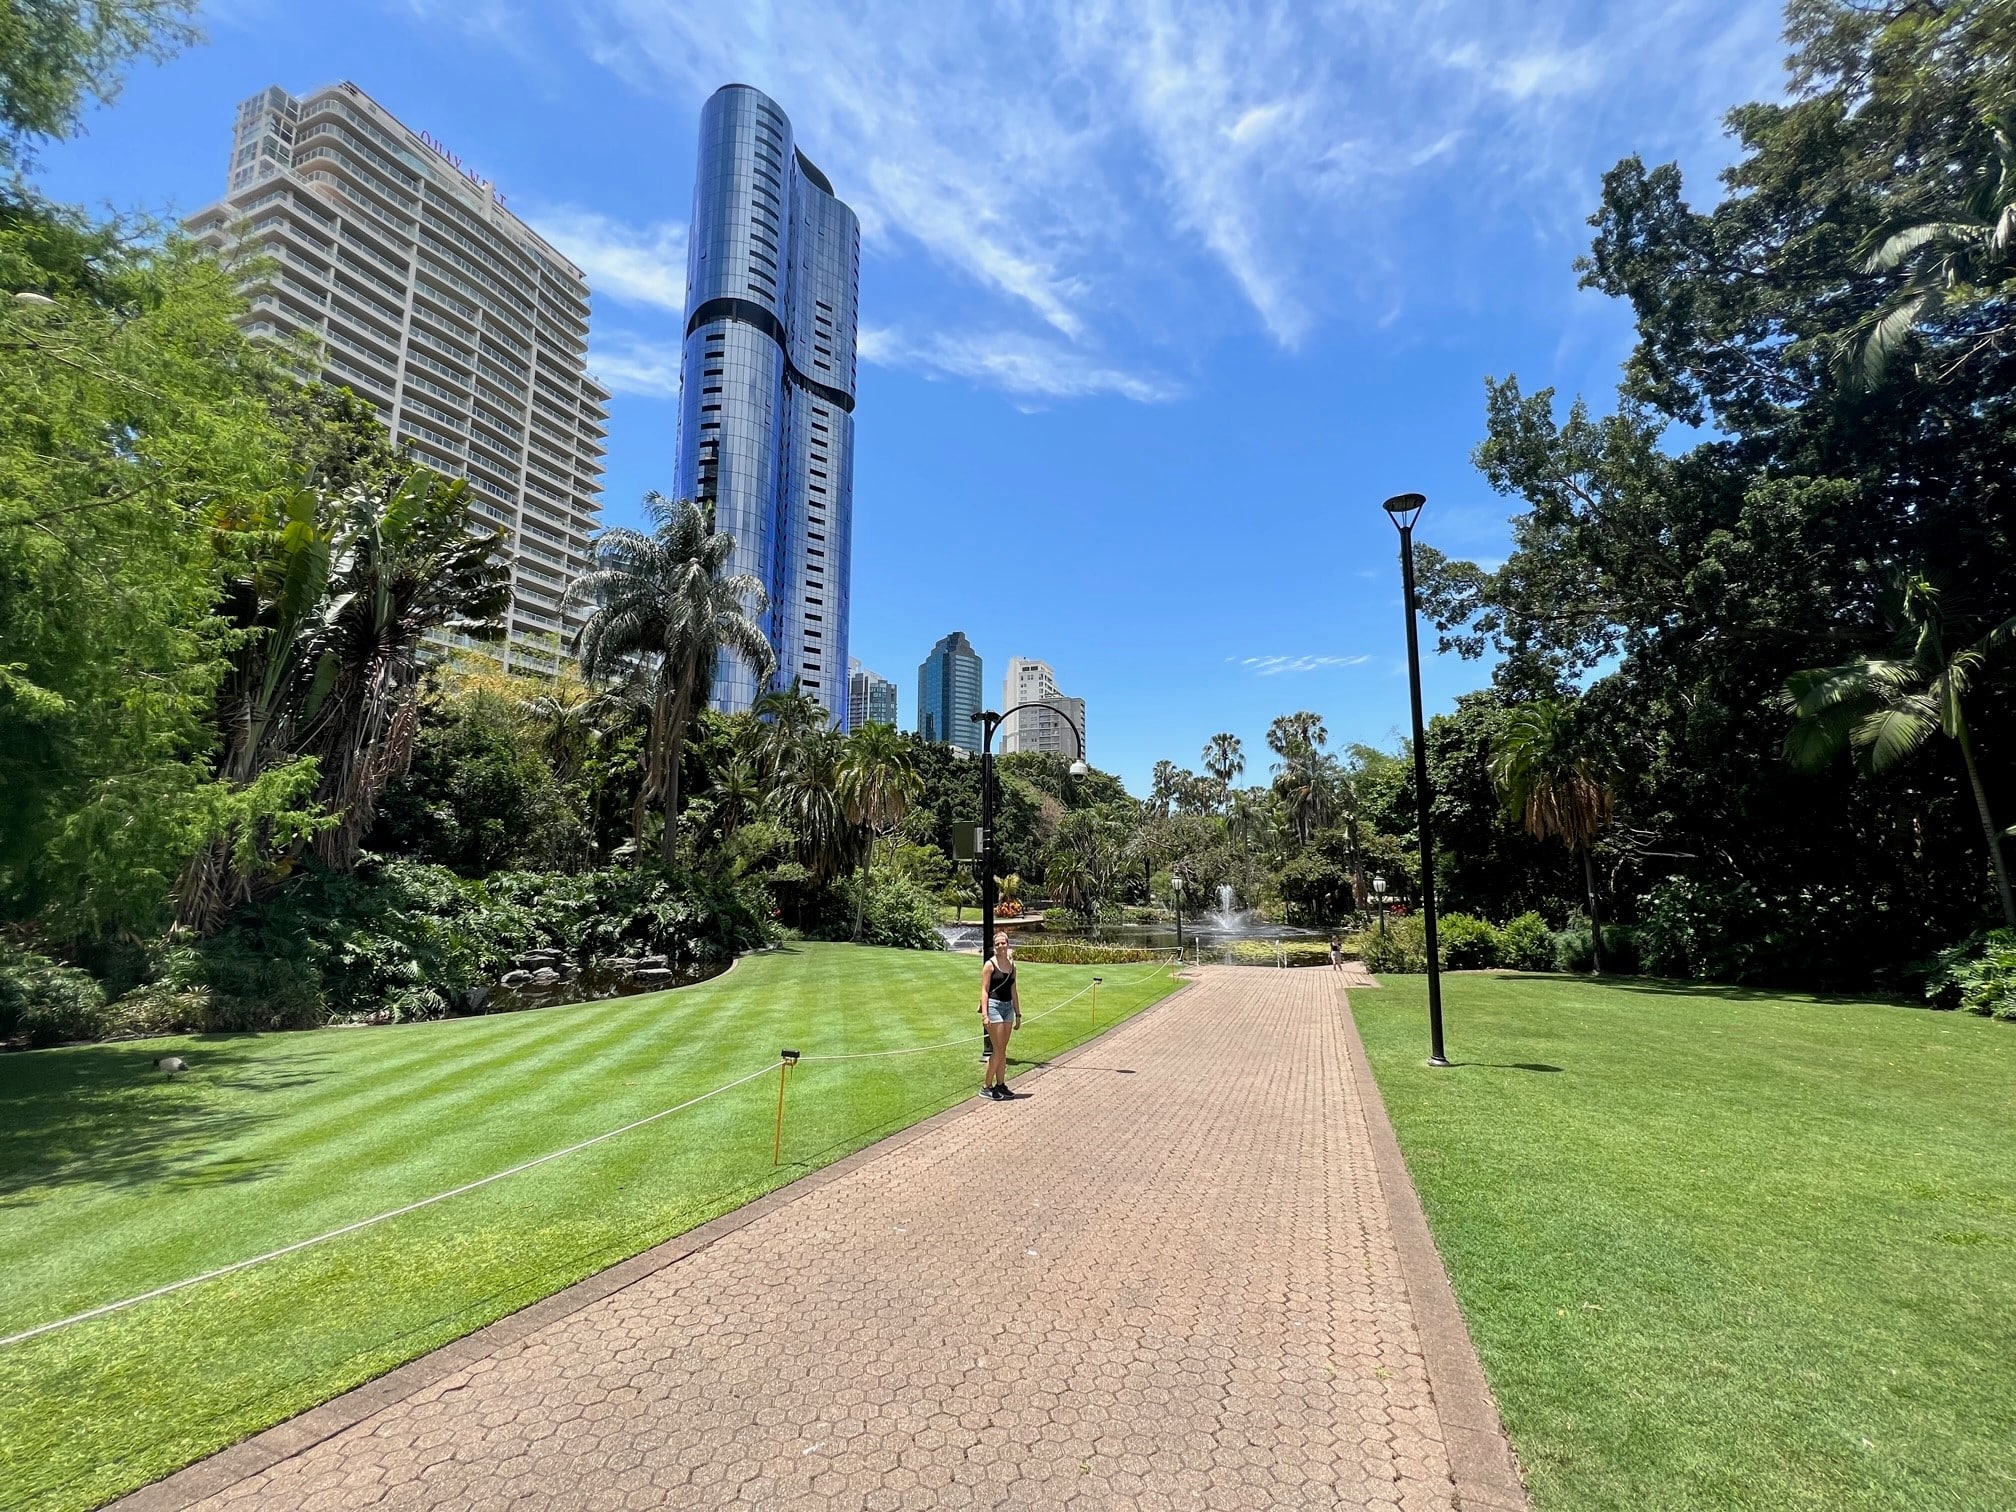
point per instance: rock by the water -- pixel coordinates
(545, 976)
(515, 979)
(651, 976)
(171, 1064)
(652, 960)
(536, 958)
(475, 999)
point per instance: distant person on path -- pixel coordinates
(1001, 1012)
(1336, 954)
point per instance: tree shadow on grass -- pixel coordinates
(1675, 987)
(107, 1117)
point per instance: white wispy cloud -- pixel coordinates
(635, 265)
(1273, 666)
(1033, 367)
(630, 363)
(1090, 162)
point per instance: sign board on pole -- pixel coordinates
(967, 841)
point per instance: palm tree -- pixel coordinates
(1886, 710)
(665, 607)
(737, 794)
(805, 797)
(1224, 758)
(878, 780)
(1552, 783)
(409, 566)
(1300, 730)
(784, 720)
(1954, 262)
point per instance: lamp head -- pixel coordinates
(1405, 509)
(1177, 883)
(1379, 884)
(1078, 767)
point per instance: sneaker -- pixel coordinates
(1002, 1093)
(990, 1094)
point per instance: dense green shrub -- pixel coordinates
(895, 911)
(1465, 942)
(1526, 944)
(412, 939)
(1575, 951)
(1979, 975)
(1401, 947)
(46, 1003)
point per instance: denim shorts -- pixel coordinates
(999, 1012)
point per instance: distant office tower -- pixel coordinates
(439, 306)
(766, 402)
(1039, 729)
(871, 699)
(948, 693)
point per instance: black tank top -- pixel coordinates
(1002, 988)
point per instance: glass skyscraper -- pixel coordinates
(871, 698)
(766, 403)
(948, 693)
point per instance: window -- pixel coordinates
(714, 390)
(706, 407)
(710, 372)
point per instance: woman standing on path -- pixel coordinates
(1001, 1012)
(1336, 954)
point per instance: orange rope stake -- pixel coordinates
(788, 1059)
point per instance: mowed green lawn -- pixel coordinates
(115, 1180)
(1722, 1249)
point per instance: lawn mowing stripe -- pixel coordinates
(363, 1223)
(339, 1149)
(587, 1057)
(174, 1380)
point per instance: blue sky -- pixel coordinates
(1158, 301)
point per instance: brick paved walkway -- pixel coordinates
(1164, 1278)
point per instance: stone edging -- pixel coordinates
(1480, 1457)
(259, 1453)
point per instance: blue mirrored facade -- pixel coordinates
(766, 406)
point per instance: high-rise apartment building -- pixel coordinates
(948, 693)
(1040, 728)
(871, 699)
(766, 405)
(431, 300)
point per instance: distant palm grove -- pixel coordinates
(1749, 711)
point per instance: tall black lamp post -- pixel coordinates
(1176, 893)
(1405, 509)
(989, 722)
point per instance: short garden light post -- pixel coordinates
(1176, 892)
(1404, 510)
(1379, 890)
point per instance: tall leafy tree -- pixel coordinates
(665, 605)
(1886, 709)
(55, 55)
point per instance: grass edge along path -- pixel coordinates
(1719, 1247)
(259, 1146)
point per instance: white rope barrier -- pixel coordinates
(413, 1207)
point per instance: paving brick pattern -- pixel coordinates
(1163, 1278)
